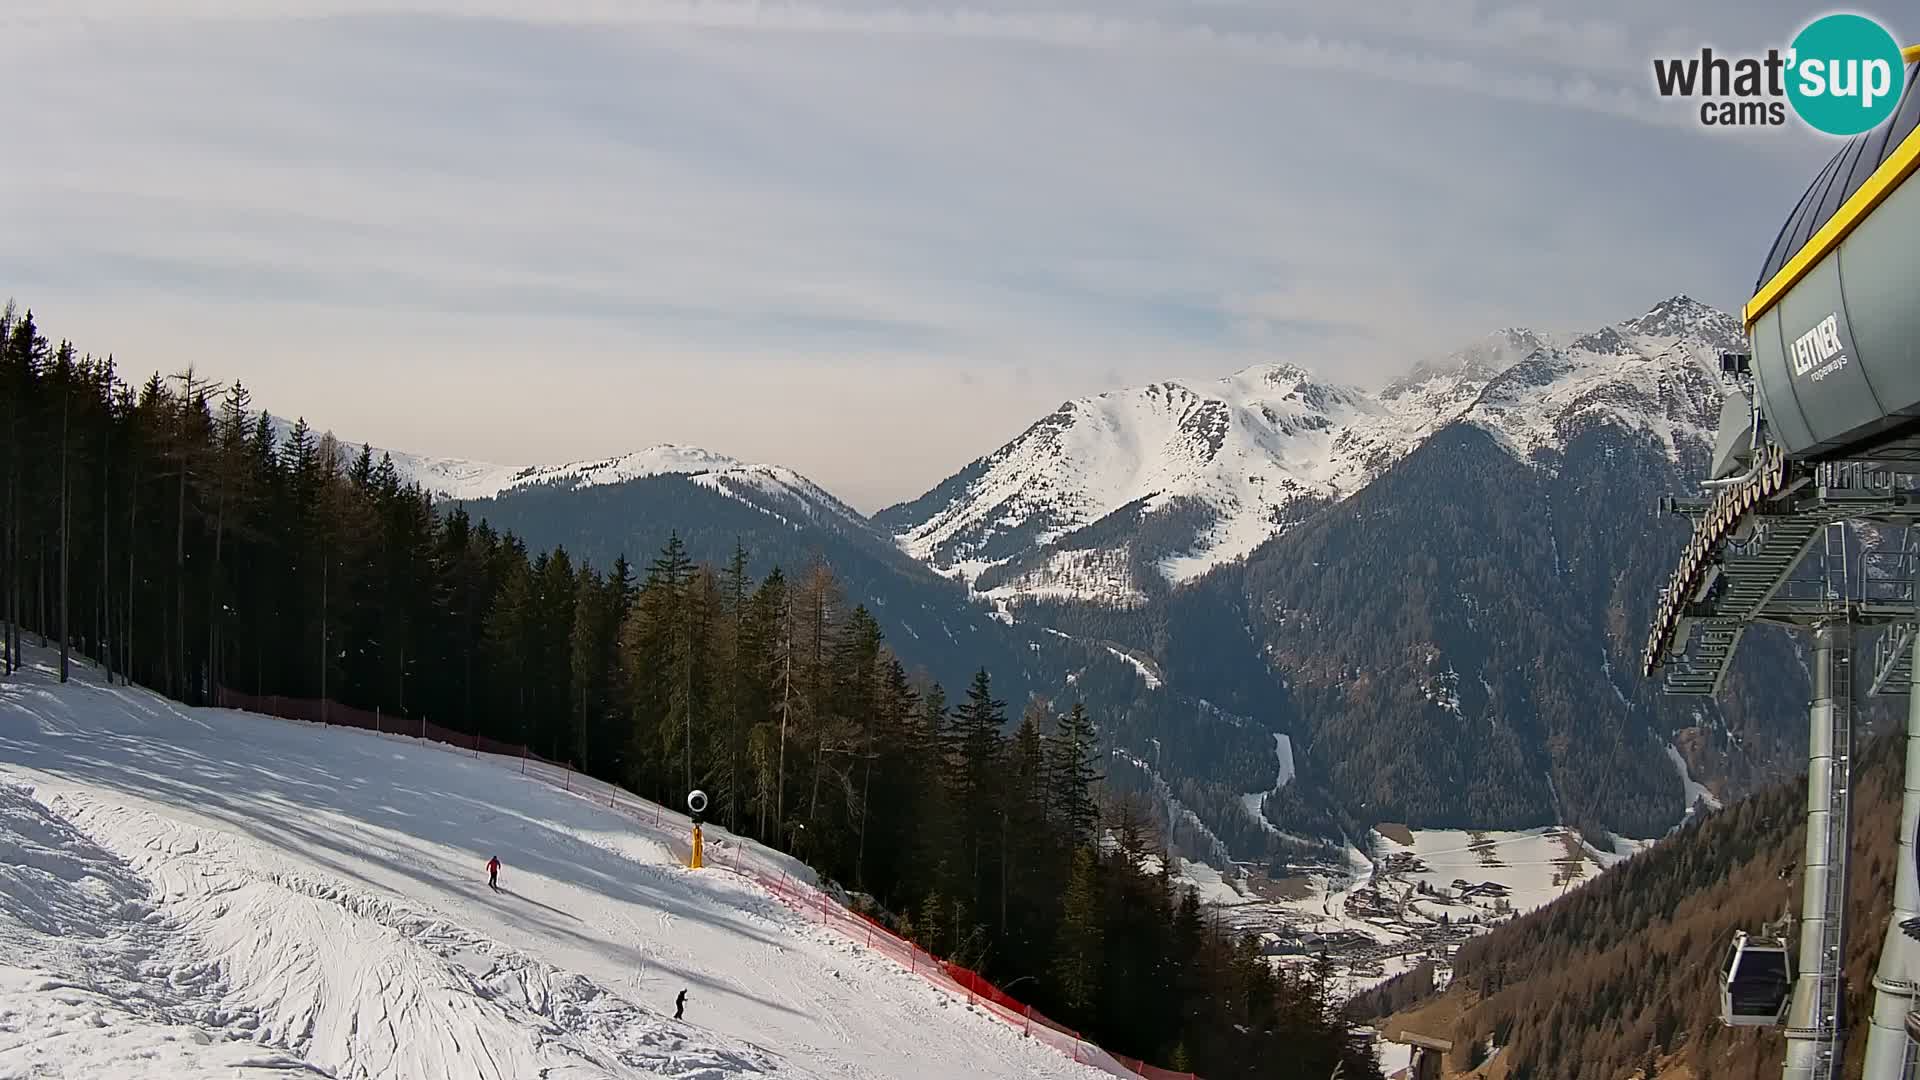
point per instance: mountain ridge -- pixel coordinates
(1115, 496)
(1180, 477)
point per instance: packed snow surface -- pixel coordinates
(208, 893)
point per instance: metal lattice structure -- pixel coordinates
(1747, 563)
(1827, 549)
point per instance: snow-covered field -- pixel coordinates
(1208, 883)
(1535, 865)
(1395, 1058)
(207, 893)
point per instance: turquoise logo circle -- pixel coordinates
(1845, 74)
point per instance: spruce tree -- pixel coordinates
(1073, 766)
(1077, 965)
(975, 785)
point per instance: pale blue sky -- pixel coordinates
(870, 239)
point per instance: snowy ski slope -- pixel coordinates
(208, 893)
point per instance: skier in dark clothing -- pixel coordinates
(680, 1005)
(493, 873)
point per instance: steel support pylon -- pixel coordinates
(1890, 1053)
(1814, 1023)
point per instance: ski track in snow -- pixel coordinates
(1255, 801)
(1693, 791)
(201, 893)
(1146, 673)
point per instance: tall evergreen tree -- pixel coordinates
(975, 760)
(1073, 775)
(1077, 967)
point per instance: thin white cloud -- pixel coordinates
(1573, 44)
(868, 240)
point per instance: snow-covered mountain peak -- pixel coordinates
(1681, 316)
(1184, 475)
(1653, 374)
(1221, 460)
(1471, 365)
(1266, 378)
(661, 459)
(775, 489)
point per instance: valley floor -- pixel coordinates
(1412, 896)
(201, 893)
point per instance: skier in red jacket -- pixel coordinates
(493, 873)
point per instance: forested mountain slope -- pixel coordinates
(1456, 644)
(1624, 969)
(928, 620)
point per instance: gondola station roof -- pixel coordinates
(1839, 181)
(1835, 316)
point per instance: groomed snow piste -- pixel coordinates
(208, 893)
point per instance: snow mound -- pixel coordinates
(199, 892)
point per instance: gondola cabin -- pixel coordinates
(1756, 982)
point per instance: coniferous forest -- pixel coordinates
(170, 534)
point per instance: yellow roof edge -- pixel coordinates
(1894, 170)
(1911, 54)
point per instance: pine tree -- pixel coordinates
(1073, 767)
(975, 765)
(510, 629)
(589, 660)
(1077, 969)
(187, 447)
(656, 663)
(815, 614)
(737, 658)
(556, 591)
(231, 469)
(64, 376)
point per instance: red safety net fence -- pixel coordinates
(324, 711)
(782, 876)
